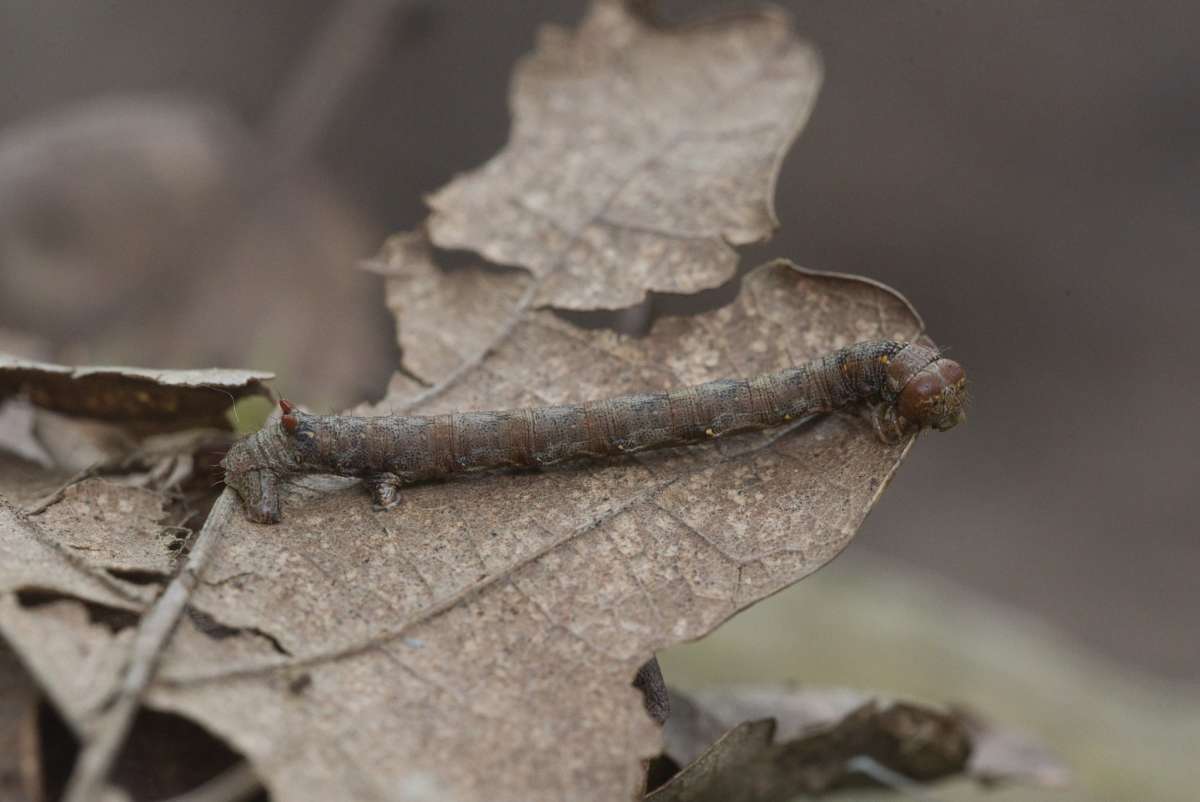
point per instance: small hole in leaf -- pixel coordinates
(139, 576)
(114, 618)
(638, 319)
(216, 630)
(660, 770)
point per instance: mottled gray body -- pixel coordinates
(394, 450)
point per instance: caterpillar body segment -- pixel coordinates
(906, 386)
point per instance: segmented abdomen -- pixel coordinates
(423, 447)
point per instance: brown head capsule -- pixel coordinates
(935, 395)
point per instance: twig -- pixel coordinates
(92, 768)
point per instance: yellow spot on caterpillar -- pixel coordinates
(710, 433)
(787, 416)
(883, 360)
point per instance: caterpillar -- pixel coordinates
(908, 387)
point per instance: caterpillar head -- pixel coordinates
(935, 396)
(253, 464)
(254, 485)
(259, 492)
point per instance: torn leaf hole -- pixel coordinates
(139, 576)
(214, 629)
(178, 537)
(178, 532)
(165, 755)
(659, 771)
(114, 618)
(454, 260)
(637, 320)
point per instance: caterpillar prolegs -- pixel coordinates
(908, 387)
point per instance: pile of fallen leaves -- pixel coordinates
(481, 641)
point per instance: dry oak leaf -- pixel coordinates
(70, 615)
(77, 581)
(68, 620)
(638, 155)
(76, 575)
(479, 641)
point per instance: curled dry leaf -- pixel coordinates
(821, 739)
(150, 400)
(721, 772)
(637, 156)
(81, 557)
(78, 583)
(66, 617)
(479, 641)
(84, 419)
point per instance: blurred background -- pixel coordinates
(192, 184)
